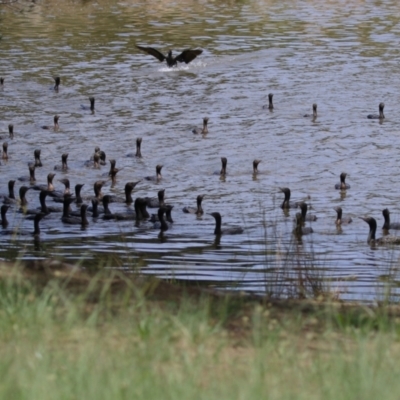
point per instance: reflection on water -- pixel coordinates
(341, 56)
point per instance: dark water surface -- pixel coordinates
(343, 56)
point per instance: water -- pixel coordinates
(342, 56)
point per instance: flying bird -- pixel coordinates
(186, 56)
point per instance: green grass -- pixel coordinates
(107, 337)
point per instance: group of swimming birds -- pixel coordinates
(163, 219)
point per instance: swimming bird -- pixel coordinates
(78, 188)
(286, 202)
(202, 130)
(314, 114)
(97, 189)
(1, 81)
(55, 127)
(58, 195)
(11, 131)
(64, 164)
(227, 231)
(339, 219)
(113, 174)
(255, 166)
(304, 215)
(141, 203)
(222, 172)
(198, 210)
(380, 115)
(107, 213)
(4, 221)
(49, 187)
(94, 160)
(43, 207)
(387, 224)
(162, 225)
(138, 149)
(152, 202)
(112, 166)
(342, 185)
(36, 228)
(270, 103)
(22, 199)
(102, 156)
(384, 240)
(95, 208)
(186, 56)
(57, 82)
(31, 178)
(91, 107)
(299, 229)
(113, 171)
(139, 213)
(129, 186)
(18, 232)
(68, 199)
(224, 162)
(4, 156)
(82, 220)
(158, 176)
(168, 215)
(38, 161)
(11, 196)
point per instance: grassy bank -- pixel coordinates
(65, 334)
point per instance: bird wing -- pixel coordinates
(188, 55)
(153, 52)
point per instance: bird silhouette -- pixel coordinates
(186, 56)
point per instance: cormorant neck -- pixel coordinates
(78, 193)
(339, 216)
(304, 208)
(270, 105)
(22, 197)
(32, 174)
(112, 167)
(42, 199)
(143, 210)
(218, 221)
(285, 203)
(4, 221)
(105, 205)
(138, 147)
(66, 204)
(164, 225)
(95, 212)
(5, 151)
(11, 194)
(83, 215)
(168, 215)
(386, 216)
(57, 82)
(199, 207)
(371, 234)
(36, 221)
(128, 195)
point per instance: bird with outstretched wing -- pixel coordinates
(186, 56)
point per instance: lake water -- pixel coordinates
(341, 55)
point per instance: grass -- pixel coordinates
(67, 334)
